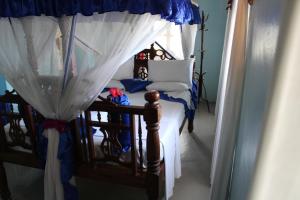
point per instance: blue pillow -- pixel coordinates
(135, 85)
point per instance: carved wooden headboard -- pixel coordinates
(156, 52)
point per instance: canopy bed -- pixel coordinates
(59, 59)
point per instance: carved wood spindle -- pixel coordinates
(3, 142)
(83, 138)
(152, 118)
(106, 134)
(133, 145)
(89, 134)
(4, 190)
(140, 132)
(32, 130)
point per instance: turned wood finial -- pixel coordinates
(152, 96)
(154, 114)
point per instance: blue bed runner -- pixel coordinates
(189, 110)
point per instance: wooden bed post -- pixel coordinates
(152, 118)
(4, 190)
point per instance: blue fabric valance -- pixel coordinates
(178, 11)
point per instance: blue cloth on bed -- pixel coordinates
(189, 113)
(189, 110)
(135, 85)
(194, 94)
(178, 11)
(124, 136)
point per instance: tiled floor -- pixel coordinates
(196, 150)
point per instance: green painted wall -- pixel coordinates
(214, 39)
(2, 85)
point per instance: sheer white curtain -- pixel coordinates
(229, 99)
(60, 66)
(230, 24)
(188, 37)
(33, 59)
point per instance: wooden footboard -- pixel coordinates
(142, 168)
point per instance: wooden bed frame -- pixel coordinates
(87, 165)
(133, 172)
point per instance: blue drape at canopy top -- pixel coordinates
(178, 11)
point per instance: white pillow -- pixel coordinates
(125, 71)
(115, 84)
(171, 71)
(168, 86)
